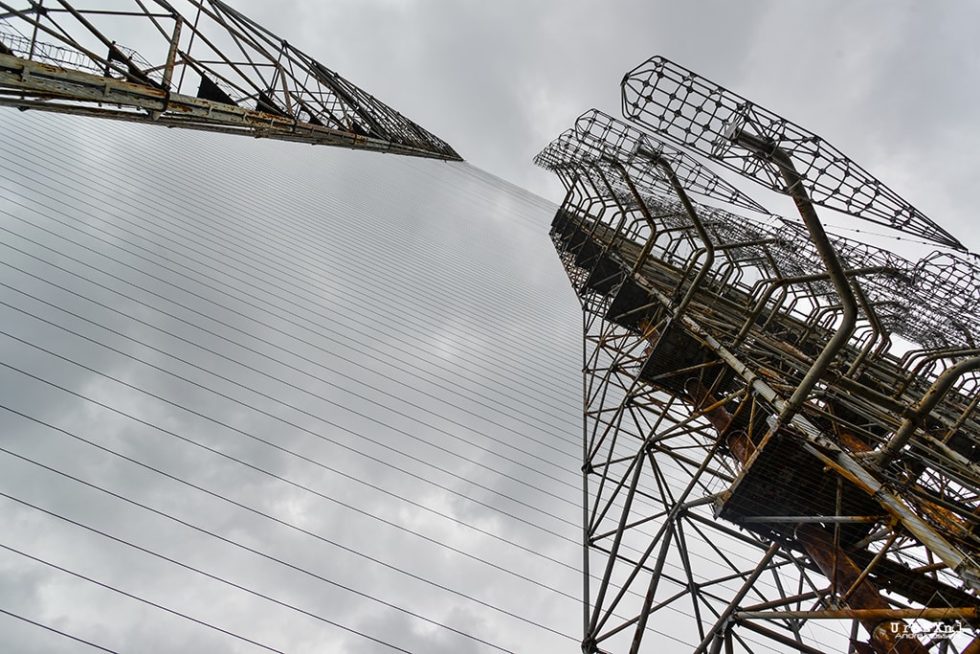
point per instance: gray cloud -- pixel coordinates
(886, 82)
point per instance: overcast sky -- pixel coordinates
(277, 281)
(892, 84)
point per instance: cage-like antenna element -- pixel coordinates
(600, 139)
(707, 118)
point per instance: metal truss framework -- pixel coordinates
(196, 64)
(765, 467)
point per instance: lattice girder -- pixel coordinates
(192, 63)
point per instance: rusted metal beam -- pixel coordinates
(168, 68)
(824, 551)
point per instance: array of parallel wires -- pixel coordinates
(247, 410)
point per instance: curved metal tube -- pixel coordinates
(928, 357)
(878, 330)
(788, 281)
(795, 187)
(923, 407)
(709, 248)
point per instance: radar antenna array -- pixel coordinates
(767, 462)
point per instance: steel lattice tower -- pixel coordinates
(200, 64)
(781, 436)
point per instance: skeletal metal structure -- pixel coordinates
(189, 63)
(781, 436)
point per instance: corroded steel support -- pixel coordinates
(888, 635)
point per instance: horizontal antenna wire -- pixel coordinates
(143, 600)
(252, 591)
(301, 248)
(254, 511)
(292, 424)
(57, 631)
